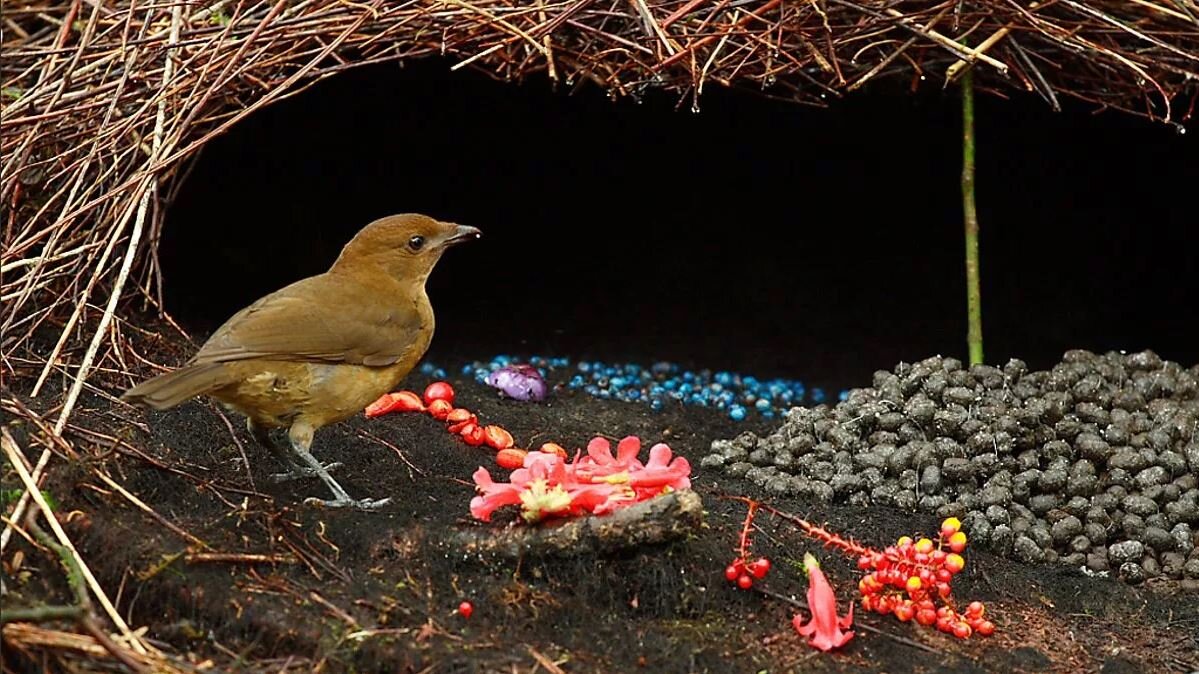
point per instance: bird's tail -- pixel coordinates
(170, 389)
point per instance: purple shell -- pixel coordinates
(522, 382)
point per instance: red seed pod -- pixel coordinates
(439, 390)
(511, 458)
(458, 415)
(401, 401)
(439, 409)
(553, 448)
(462, 425)
(473, 436)
(497, 437)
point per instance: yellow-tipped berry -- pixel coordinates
(957, 542)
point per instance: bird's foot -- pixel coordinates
(358, 504)
(298, 472)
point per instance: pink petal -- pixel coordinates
(600, 451)
(481, 507)
(626, 450)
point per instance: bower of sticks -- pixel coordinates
(149, 541)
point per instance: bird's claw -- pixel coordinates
(300, 472)
(358, 504)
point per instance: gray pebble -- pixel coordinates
(1133, 525)
(1026, 550)
(1184, 540)
(1157, 538)
(1125, 551)
(1096, 533)
(1097, 561)
(738, 469)
(1191, 568)
(1132, 573)
(1172, 564)
(1151, 476)
(1139, 505)
(1065, 529)
(957, 469)
(1002, 539)
(712, 461)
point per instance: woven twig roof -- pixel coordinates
(102, 102)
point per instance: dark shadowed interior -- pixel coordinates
(755, 236)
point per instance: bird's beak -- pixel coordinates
(463, 233)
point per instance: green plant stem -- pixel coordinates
(974, 330)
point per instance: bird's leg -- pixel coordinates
(301, 439)
(295, 469)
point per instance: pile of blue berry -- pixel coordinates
(661, 384)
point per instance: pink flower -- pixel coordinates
(824, 630)
(598, 483)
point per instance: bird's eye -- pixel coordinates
(416, 242)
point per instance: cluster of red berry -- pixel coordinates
(742, 572)
(910, 577)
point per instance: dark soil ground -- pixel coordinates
(377, 592)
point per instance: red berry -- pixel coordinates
(913, 584)
(945, 624)
(465, 609)
(954, 562)
(924, 546)
(943, 590)
(943, 576)
(926, 616)
(745, 582)
(731, 572)
(458, 415)
(975, 608)
(986, 628)
(950, 526)
(439, 390)
(865, 562)
(962, 630)
(439, 409)
(905, 611)
(957, 542)
(760, 567)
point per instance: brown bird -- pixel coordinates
(323, 348)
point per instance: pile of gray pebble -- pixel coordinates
(1093, 463)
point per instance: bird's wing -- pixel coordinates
(325, 320)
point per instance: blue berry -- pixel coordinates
(737, 413)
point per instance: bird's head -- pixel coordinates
(405, 246)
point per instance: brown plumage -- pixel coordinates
(321, 349)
